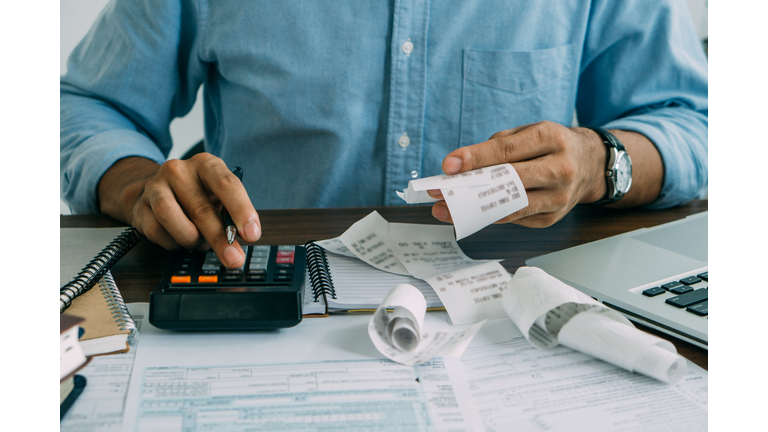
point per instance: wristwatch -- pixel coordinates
(618, 170)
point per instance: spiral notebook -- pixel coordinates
(336, 284)
(88, 289)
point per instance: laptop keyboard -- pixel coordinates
(689, 293)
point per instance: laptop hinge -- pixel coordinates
(642, 319)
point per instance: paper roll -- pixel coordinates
(549, 312)
(398, 335)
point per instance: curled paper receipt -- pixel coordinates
(475, 198)
(470, 290)
(401, 336)
(549, 312)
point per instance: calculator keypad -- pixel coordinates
(264, 265)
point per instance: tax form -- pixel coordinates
(320, 376)
(520, 388)
(329, 375)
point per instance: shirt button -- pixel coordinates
(407, 47)
(404, 141)
(414, 174)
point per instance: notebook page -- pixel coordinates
(360, 286)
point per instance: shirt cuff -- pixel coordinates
(90, 160)
(683, 150)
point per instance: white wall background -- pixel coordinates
(77, 16)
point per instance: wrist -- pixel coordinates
(595, 187)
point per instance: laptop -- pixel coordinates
(656, 276)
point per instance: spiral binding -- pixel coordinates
(98, 267)
(319, 275)
(116, 305)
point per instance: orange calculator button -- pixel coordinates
(181, 279)
(208, 279)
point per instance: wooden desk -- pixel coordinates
(139, 271)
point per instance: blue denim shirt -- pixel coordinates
(335, 104)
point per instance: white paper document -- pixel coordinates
(370, 395)
(402, 336)
(325, 374)
(549, 312)
(320, 375)
(518, 387)
(476, 198)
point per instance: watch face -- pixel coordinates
(624, 173)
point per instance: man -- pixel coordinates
(342, 103)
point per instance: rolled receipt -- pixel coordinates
(400, 335)
(475, 199)
(404, 330)
(417, 189)
(549, 312)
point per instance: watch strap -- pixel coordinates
(608, 138)
(610, 141)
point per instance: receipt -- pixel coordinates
(476, 198)
(400, 335)
(549, 312)
(471, 290)
(367, 239)
(336, 246)
(417, 189)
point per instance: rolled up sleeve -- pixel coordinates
(650, 76)
(134, 72)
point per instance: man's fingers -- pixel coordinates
(543, 210)
(166, 210)
(514, 145)
(545, 173)
(231, 193)
(187, 182)
(144, 220)
(208, 220)
(440, 212)
(509, 132)
(435, 193)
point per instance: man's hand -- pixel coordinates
(178, 204)
(559, 167)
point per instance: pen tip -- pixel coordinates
(231, 231)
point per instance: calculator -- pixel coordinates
(198, 293)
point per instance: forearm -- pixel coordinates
(94, 135)
(123, 184)
(680, 137)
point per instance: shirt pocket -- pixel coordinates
(506, 89)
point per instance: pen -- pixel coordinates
(229, 225)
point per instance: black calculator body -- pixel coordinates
(198, 293)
